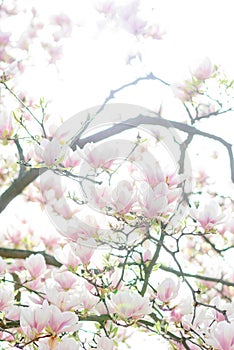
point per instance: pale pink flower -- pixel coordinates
(221, 305)
(6, 298)
(66, 279)
(130, 304)
(204, 70)
(99, 156)
(184, 91)
(50, 152)
(147, 255)
(222, 336)
(71, 159)
(153, 174)
(123, 197)
(129, 8)
(114, 278)
(6, 127)
(50, 186)
(66, 256)
(135, 25)
(68, 343)
(64, 300)
(13, 312)
(87, 300)
(84, 227)
(183, 306)
(61, 207)
(105, 343)
(54, 344)
(50, 241)
(153, 201)
(34, 320)
(84, 249)
(155, 31)
(208, 215)
(167, 290)
(106, 7)
(98, 197)
(4, 38)
(62, 321)
(35, 265)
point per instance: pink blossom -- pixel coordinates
(66, 279)
(84, 228)
(66, 256)
(130, 304)
(13, 312)
(61, 207)
(155, 31)
(64, 300)
(105, 343)
(153, 174)
(204, 70)
(99, 156)
(153, 201)
(106, 7)
(221, 305)
(50, 152)
(123, 197)
(130, 7)
(62, 321)
(222, 336)
(87, 300)
(167, 290)
(135, 25)
(58, 344)
(98, 197)
(34, 320)
(71, 159)
(35, 265)
(4, 38)
(6, 127)
(6, 298)
(84, 249)
(50, 186)
(68, 343)
(184, 91)
(209, 215)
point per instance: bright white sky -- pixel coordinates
(95, 63)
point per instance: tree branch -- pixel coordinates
(199, 277)
(23, 254)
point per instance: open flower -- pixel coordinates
(130, 304)
(84, 249)
(123, 197)
(34, 320)
(204, 70)
(208, 215)
(153, 201)
(105, 343)
(222, 336)
(35, 265)
(50, 152)
(62, 321)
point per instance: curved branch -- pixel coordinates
(141, 120)
(199, 277)
(17, 187)
(19, 184)
(23, 254)
(50, 260)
